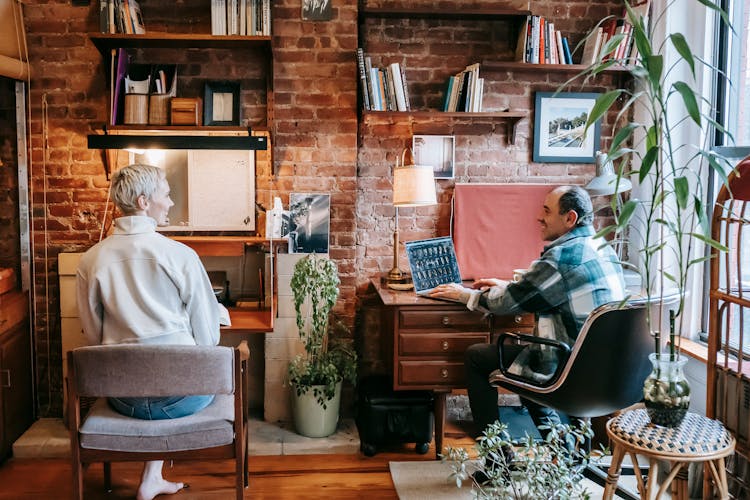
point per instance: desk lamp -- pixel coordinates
(413, 186)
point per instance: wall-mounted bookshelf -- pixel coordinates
(106, 42)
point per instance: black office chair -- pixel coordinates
(604, 370)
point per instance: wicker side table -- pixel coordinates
(697, 439)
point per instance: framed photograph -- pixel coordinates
(559, 120)
(437, 151)
(316, 10)
(309, 222)
(221, 103)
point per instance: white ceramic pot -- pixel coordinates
(310, 418)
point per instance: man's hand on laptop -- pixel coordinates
(485, 283)
(451, 291)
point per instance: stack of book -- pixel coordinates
(540, 43)
(464, 91)
(121, 16)
(241, 17)
(383, 89)
(625, 51)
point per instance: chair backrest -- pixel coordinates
(607, 366)
(137, 370)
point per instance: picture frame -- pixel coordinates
(309, 222)
(559, 121)
(317, 10)
(436, 151)
(221, 103)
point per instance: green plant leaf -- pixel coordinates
(622, 135)
(669, 276)
(649, 160)
(605, 231)
(652, 137)
(700, 212)
(626, 213)
(611, 45)
(682, 47)
(655, 66)
(682, 190)
(639, 32)
(601, 106)
(710, 241)
(688, 97)
(699, 260)
(711, 5)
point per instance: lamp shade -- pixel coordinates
(413, 186)
(605, 182)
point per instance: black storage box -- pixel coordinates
(385, 416)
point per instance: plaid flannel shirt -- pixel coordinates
(574, 275)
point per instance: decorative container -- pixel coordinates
(136, 109)
(666, 390)
(187, 111)
(158, 109)
(310, 418)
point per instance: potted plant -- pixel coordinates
(672, 224)
(552, 468)
(317, 375)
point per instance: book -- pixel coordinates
(118, 87)
(266, 30)
(566, 48)
(520, 55)
(368, 72)
(377, 101)
(592, 46)
(136, 18)
(103, 16)
(534, 40)
(560, 50)
(398, 86)
(448, 90)
(543, 42)
(406, 89)
(363, 79)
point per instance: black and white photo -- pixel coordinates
(436, 151)
(309, 222)
(316, 10)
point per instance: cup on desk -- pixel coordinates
(518, 274)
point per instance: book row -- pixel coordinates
(121, 16)
(383, 89)
(464, 91)
(613, 39)
(241, 17)
(540, 43)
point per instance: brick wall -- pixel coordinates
(317, 144)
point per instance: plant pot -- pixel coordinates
(666, 390)
(310, 418)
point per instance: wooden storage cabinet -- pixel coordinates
(16, 397)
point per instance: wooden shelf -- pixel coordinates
(180, 130)
(105, 42)
(510, 118)
(432, 13)
(490, 66)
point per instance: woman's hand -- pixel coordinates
(451, 291)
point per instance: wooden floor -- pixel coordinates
(271, 477)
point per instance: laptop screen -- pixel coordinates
(432, 262)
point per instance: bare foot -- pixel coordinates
(158, 486)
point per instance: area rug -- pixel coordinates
(428, 480)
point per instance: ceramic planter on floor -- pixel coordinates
(310, 418)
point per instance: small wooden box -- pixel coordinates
(186, 111)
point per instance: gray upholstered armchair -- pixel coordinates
(126, 370)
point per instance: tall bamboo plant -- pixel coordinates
(675, 218)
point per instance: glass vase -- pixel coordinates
(666, 390)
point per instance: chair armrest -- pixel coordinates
(502, 374)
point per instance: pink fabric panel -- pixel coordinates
(495, 228)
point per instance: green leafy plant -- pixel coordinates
(315, 285)
(549, 469)
(653, 114)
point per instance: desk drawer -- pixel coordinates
(512, 323)
(444, 319)
(441, 344)
(435, 374)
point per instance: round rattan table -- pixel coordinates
(696, 439)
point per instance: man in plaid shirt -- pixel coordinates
(574, 275)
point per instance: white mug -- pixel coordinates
(518, 274)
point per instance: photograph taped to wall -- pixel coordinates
(432, 262)
(559, 123)
(309, 222)
(436, 151)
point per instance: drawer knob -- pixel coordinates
(446, 321)
(444, 372)
(6, 383)
(445, 345)
(518, 319)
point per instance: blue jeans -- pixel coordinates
(160, 408)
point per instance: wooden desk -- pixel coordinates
(426, 340)
(249, 320)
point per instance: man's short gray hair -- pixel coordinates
(132, 181)
(577, 199)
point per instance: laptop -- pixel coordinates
(432, 262)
